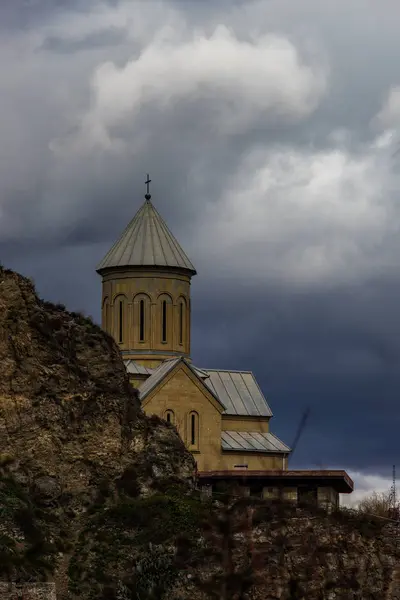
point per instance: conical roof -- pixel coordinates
(146, 242)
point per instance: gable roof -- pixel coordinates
(252, 441)
(146, 242)
(162, 371)
(239, 392)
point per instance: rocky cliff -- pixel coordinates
(98, 498)
(72, 434)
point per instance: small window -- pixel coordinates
(164, 321)
(193, 430)
(240, 466)
(181, 322)
(169, 416)
(141, 320)
(120, 320)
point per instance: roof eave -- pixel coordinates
(119, 268)
(337, 478)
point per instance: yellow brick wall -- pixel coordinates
(233, 423)
(256, 462)
(153, 287)
(183, 393)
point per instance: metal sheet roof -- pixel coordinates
(238, 391)
(146, 242)
(200, 372)
(134, 368)
(252, 441)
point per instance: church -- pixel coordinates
(222, 416)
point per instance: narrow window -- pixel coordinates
(107, 317)
(193, 429)
(141, 321)
(181, 322)
(164, 321)
(120, 320)
(169, 416)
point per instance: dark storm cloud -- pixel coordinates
(337, 352)
(332, 345)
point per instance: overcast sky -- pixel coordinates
(270, 131)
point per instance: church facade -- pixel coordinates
(222, 416)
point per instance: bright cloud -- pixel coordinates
(308, 217)
(238, 81)
(364, 486)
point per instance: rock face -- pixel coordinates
(70, 422)
(98, 498)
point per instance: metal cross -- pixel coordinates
(148, 183)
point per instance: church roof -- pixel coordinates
(252, 441)
(162, 370)
(134, 368)
(237, 391)
(146, 242)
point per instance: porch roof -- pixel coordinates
(337, 479)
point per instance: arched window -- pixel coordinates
(141, 321)
(169, 416)
(164, 321)
(120, 314)
(142, 318)
(181, 322)
(120, 321)
(193, 430)
(165, 318)
(108, 322)
(106, 314)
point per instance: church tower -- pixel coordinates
(146, 290)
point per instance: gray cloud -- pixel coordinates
(102, 39)
(257, 124)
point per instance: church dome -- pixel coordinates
(146, 242)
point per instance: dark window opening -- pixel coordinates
(164, 321)
(193, 429)
(169, 416)
(240, 466)
(120, 320)
(141, 320)
(181, 323)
